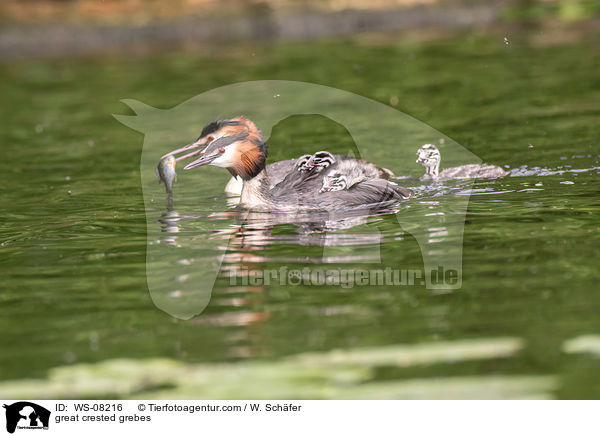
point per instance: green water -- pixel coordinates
(73, 229)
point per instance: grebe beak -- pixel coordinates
(204, 160)
(194, 145)
(213, 150)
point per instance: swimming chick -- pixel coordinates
(165, 171)
(429, 156)
(238, 145)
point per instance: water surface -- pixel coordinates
(73, 233)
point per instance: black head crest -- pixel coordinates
(215, 125)
(211, 127)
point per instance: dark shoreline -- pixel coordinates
(66, 40)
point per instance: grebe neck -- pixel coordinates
(433, 169)
(256, 191)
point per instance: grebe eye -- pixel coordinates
(210, 139)
(221, 150)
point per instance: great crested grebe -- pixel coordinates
(312, 182)
(429, 156)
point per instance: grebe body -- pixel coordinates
(279, 170)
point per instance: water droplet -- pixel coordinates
(69, 357)
(94, 341)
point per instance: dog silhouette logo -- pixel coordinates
(26, 415)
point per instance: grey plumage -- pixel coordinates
(356, 181)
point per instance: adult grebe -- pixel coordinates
(312, 182)
(429, 156)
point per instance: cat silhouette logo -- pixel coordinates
(26, 415)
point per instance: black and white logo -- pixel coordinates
(26, 415)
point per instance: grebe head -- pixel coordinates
(340, 179)
(334, 181)
(321, 160)
(302, 163)
(318, 161)
(429, 156)
(235, 144)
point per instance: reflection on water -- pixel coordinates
(169, 222)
